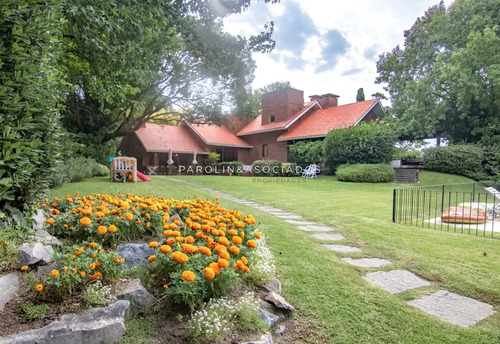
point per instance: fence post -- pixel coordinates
(394, 205)
(442, 200)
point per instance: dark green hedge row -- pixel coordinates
(365, 173)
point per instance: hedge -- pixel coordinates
(365, 173)
(305, 153)
(370, 143)
(464, 160)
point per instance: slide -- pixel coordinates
(143, 177)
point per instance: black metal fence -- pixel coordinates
(477, 211)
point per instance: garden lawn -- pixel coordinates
(332, 299)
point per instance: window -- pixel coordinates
(272, 119)
(264, 151)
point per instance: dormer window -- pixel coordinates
(272, 119)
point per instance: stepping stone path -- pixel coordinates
(325, 236)
(454, 308)
(443, 304)
(342, 248)
(396, 281)
(367, 262)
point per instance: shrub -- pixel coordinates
(101, 170)
(75, 170)
(29, 96)
(305, 153)
(235, 167)
(34, 312)
(365, 173)
(464, 160)
(369, 143)
(289, 169)
(266, 168)
(491, 159)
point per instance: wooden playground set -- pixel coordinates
(124, 170)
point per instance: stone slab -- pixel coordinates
(302, 223)
(342, 248)
(453, 308)
(367, 262)
(312, 228)
(34, 252)
(396, 281)
(9, 285)
(289, 217)
(335, 237)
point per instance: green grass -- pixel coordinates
(326, 290)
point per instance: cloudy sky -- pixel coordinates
(328, 46)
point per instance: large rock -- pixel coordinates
(139, 298)
(39, 219)
(269, 318)
(273, 285)
(279, 301)
(43, 237)
(9, 285)
(34, 252)
(264, 339)
(95, 326)
(135, 254)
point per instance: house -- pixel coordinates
(285, 119)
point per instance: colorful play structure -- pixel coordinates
(124, 169)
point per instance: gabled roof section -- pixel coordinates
(320, 122)
(214, 135)
(162, 138)
(256, 126)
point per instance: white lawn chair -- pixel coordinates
(496, 193)
(310, 172)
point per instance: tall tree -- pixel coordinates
(445, 81)
(360, 96)
(125, 61)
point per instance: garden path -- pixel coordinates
(445, 305)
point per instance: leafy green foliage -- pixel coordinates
(463, 160)
(34, 312)
(30, 37)
(76, 170)
(266, 168)
(360, 96)
(365, 173)
(445, 80)
(140, 61)
(369, 143)
(236, 167)
(304, 153)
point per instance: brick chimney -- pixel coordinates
(278, 106)
(326, 100)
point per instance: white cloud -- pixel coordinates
(369, 28)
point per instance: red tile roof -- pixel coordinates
(162, 138)
(214, 135)
(321, 122)
(256, 125)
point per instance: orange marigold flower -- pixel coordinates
(199, 235)
(148, 224)
(83, 274)
(50, 221)
(224, 255)
(147, 216)
(223, 241)
(54, 273)
(116, 260)
(99, 214)
(175, 233)
(165, 249)
(153, 244)
(188, 276)
(180, 257)
(55, 212)
(167, 232)
(189, 248)
(171, 241)
(151, 258)
(112, 229)
(190, 240)
(196, 226)
(232, 232)
(39, 287)
(257, 235)
(24, 267)
(214, 266)
(102, 230)
(223, 263)
(85, 221)
(246, 269)
(235, 250)
(129, 216)
(244, 260)
(165, 286)
(220, 248)
(237, 240)
(172, 226)
(251, 244)
(240, 264)
(95, 276)
(209, 273)
(205, 250)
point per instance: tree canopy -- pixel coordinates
(360, 95)
(130, 62)
(445, 80)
